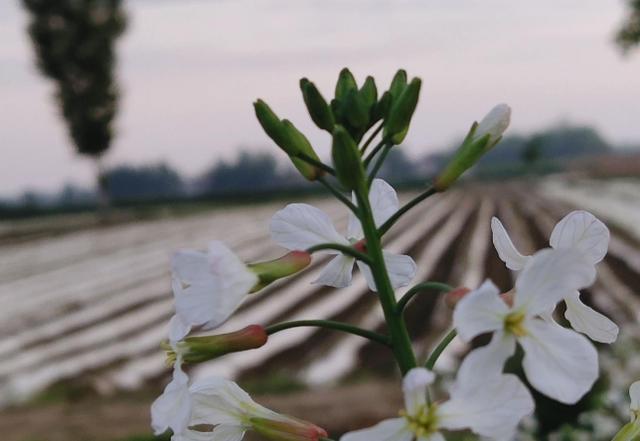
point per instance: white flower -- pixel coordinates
(172, 409)
(558, 362)
(492, 410)
(495, 123)
(581, 231)
(208, 288)
(223, 404)
(301, 226)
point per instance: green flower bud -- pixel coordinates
(287, 265)
(369, 93)
(346, 83)
(346, 159)
(397, 124)
(289, 139)
(398, 83)
(480, 139)
(629, 432)
(317, 106)
(287, 428)
(381, 108)
(356, 110)
(271, 124)
(296, 141)
(201, 349)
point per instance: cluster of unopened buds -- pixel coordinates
(560, 362)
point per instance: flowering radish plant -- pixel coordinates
(560, 362)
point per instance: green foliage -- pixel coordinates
(628, 35)
(148, 182)
(74, 43)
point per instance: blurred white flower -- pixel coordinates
(208, 288)
(172, 409)
(492, 409)
(223, 404)
(495, 123)
(558, 362)
(301, 226)
(582, 231)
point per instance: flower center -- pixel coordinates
(424, 422)
(514, 323)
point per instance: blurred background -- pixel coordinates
(127, 131)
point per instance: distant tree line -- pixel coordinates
(258, 173)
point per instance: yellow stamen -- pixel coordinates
(514, 323)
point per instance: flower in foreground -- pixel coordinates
(492, 410)
(301, 226)
(209, 287)
(221, 403)
(631, 430)
(558, 362)
(579, 230)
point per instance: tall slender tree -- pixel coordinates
(74, 44)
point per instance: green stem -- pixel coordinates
(401, 343)
(406, 207)
(308, 159)
(420, 288)
(431, 361)
(344, 249)
(371, 138)
(379, 162)
(374, 152)
(334, 191)
(330, 324)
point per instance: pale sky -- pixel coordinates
(190, 70)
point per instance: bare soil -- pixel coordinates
(337, 410)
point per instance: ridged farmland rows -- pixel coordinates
(298, 300)
(614, 291)
(427, 253)
(312, 359)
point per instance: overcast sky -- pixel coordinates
(190, 70)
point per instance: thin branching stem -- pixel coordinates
(339, 195)
(344, 249)
(406, 207)
(330, 324)
(379, 161)
(435, 354)
(321, 165)
(371, 138)
(374, 152)
(419, 289)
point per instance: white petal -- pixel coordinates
(414, 387)
(401, 270)
(206, 295)
(384, 201)
(301, 226)
(634, 393)
(505, 247)
(494, 123)
(220, 401)
(493, 410)
(485, 362)
(588, 321)
(193, 435)
(394, 429)
(354, 228)
(188, 267)
(558, 362)
(337, 273)
(173, 408)
(550, 276)
(480, 311)
(583, 231)
(226, 432)
(178, 329)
